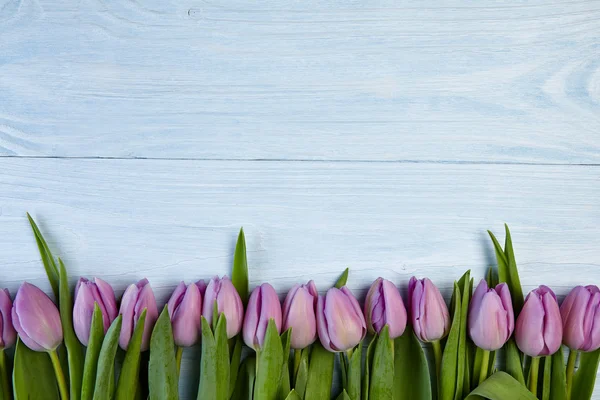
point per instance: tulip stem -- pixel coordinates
(437, 354)
(533, 375)
(4, 372)
(485, 364)
(570, 371)
(60, 376)
(297, 360)
(178, 355)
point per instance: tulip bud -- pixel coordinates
(340, 322)
(263, 305)
(491, 317)
(428, 312)
(384, 306)
(86, 294)
(228, 301)
(539, 326)
(136, 298)
(8, 335)
(580, 312)
(36, 319)
(299, 314)
(185, 311)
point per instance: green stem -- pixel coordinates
(178, 355)
(4, 371)
(297, 359)
(60, 376)
(485, 363)
(570, 371)
(437, 354)
(533, 375)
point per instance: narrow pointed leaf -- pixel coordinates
(210, 376)
(514, 282)
(381, 385)
(450, 355)
(302, 375)
(464, 284)
(320, 373)
(501, 386)
(47, 258)
(33, 375)
(222, 357)
(513, 361)
(558, 391)
(411, 373)
(127, 385)
(106, 362)
(367, 374)
(90, 366)
(293, 395)
(341, 282)
(239, 275)
(162, 368)
(354, 375)
(268, 366)
(284, 386)
(585, 377)
(244, 386)
(234, 366)
(546, 378)
(344, 396)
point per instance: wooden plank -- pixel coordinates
(422, 81)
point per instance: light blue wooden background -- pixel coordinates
(381, 136)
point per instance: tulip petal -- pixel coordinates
(107, 294)
(322, 327)
(29, 342)
(395, 312)
(301, 318)
(176, 299)
(186, 318)
(146, 301)
(82, 313)
(127, 311)
(9, 335)
(530, 325)
(552, 323)
(251, 319)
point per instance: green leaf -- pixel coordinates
(411, 374)
(354, 373)
(367, 374)
(501, 258)
(464, 284)
(33, 375)
(381, 386)
(302, 375)
(92, 353)
(513, 361)
(162, 368)
(477, 366)
(293, 395)
(341, 282)
(558, 380)
(127, 385)
(585, 377)
(211, 377)
(244, 388)
(222, 359)
(344, 396)
(234, 366)
(450, 357)
(47, 258)
(501, 386)
(74, 348)
(491, 278)
(268, 365)
(546, 378)
(320, 373)
(284, 386)
(239, 275)
(106, 362)
(514, 282)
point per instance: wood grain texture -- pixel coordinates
(421, 81)
(173, 220)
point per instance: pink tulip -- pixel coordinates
(384, 306)
(491, 317)
(185, 311)
(299, 314)
(228, 301)
(340, 322)
(86, 294)
(36, 319)
(428, 311)
(263, 306)
(580, 312)
(135, 299)
(8, 335)
(539, 326)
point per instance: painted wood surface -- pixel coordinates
(381, 136)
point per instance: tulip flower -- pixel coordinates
(8, 335)
(538, 331)
(491, 317)
(185, 306)
(228, 301)
(86, 294)
(36, 319)
(428, 312)
(136, 298)
(263, 306)
(384, 306)
(341, 324)
(299, 314)
(580, 312)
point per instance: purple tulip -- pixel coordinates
(263, 306)
(539, 326)
(136, 298)
(384, 306)
(491, 317)
(36, 319)
(228, 301)
(299, 314)
(185, 311)
(580, 312)
(86, 294)
(8, 335)
(340, 322)
(428, 312)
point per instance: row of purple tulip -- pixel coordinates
(335, 318)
